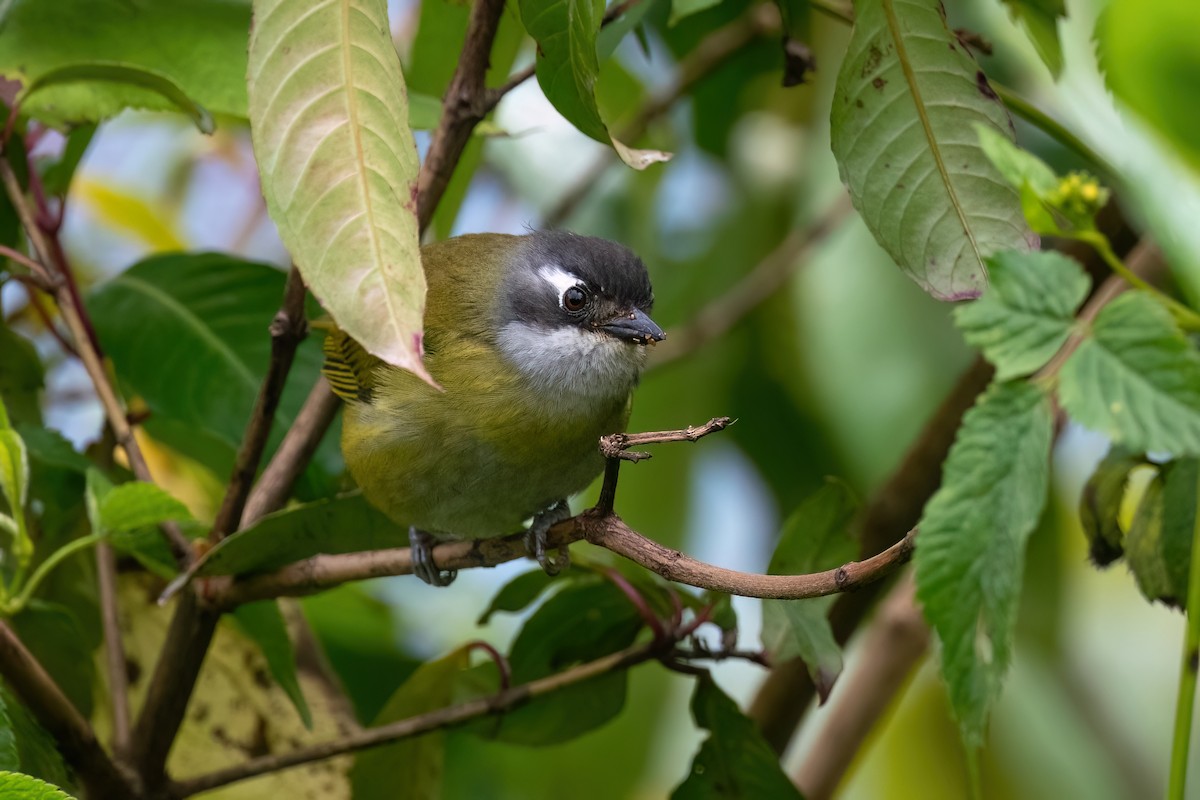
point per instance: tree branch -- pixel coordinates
(75, 737)
(114, 648)
(287, 330)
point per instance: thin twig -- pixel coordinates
(288, 329)
(293, 454)
(616, 445)
(76, 740)
(769, 276)
(36, 270)
(114, 649)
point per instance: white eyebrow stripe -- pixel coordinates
(559, 278)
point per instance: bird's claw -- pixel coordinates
(421, 544)
(536, 543)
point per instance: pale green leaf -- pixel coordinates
(197, 45)
(411, 768)
(734, 762)
(15, 786)
(263, 624)
(1026, 313)
(329, 118)
(970, 549)
(137, 505)
(907, 99)
(568, 66)
(14, 484)
(1136, 379)
(815, 538)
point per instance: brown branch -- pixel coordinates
(76, 739)
(293, 454)
(287, 329)
(707, 56)
(616, 445)
(467, 101)
(73, 313)
(36, 271)
(891, 647)
(114, 649)
(769, 276)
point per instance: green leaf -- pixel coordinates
(907, 98)
(1040, 20)
(14, 786)
(519, 593)
(263, 623)
(971, 545)
(411, 768)
(1136, 379)
(137, 505)
(1158, 547)
(1100, 504)
(734, 762)
(50, 448)
(10, 759)
(197, 45)
(815, 538)
(210, 315)
(578, 624)
(126, 74)
(346, 524)
(681, 9)
(568, 66)
(1026, 313)
(1155, 68)
(21, 377)
(329, 118)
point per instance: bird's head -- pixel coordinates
(574, 314)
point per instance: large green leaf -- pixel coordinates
(188, 334)
(263, 624)
(411, 768)
(197, 45)
(1136, 379)
(1027, 312)
(578, 624)
(970, 551)
(10, 759)
(137, 505)
(908, 96)
(568, 66)
(329, 118)
(815, 538)
(345, 524)
(734, 762)
(36, 749)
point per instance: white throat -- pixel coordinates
(572, 367)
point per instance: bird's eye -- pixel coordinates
(574, 299)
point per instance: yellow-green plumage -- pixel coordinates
(494, 446)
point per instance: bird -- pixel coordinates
(536, 342)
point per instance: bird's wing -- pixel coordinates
(349, 368)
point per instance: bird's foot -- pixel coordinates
(421, 544)
(536, 543)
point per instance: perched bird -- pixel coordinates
(537, 342)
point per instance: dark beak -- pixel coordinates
(634, 326)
